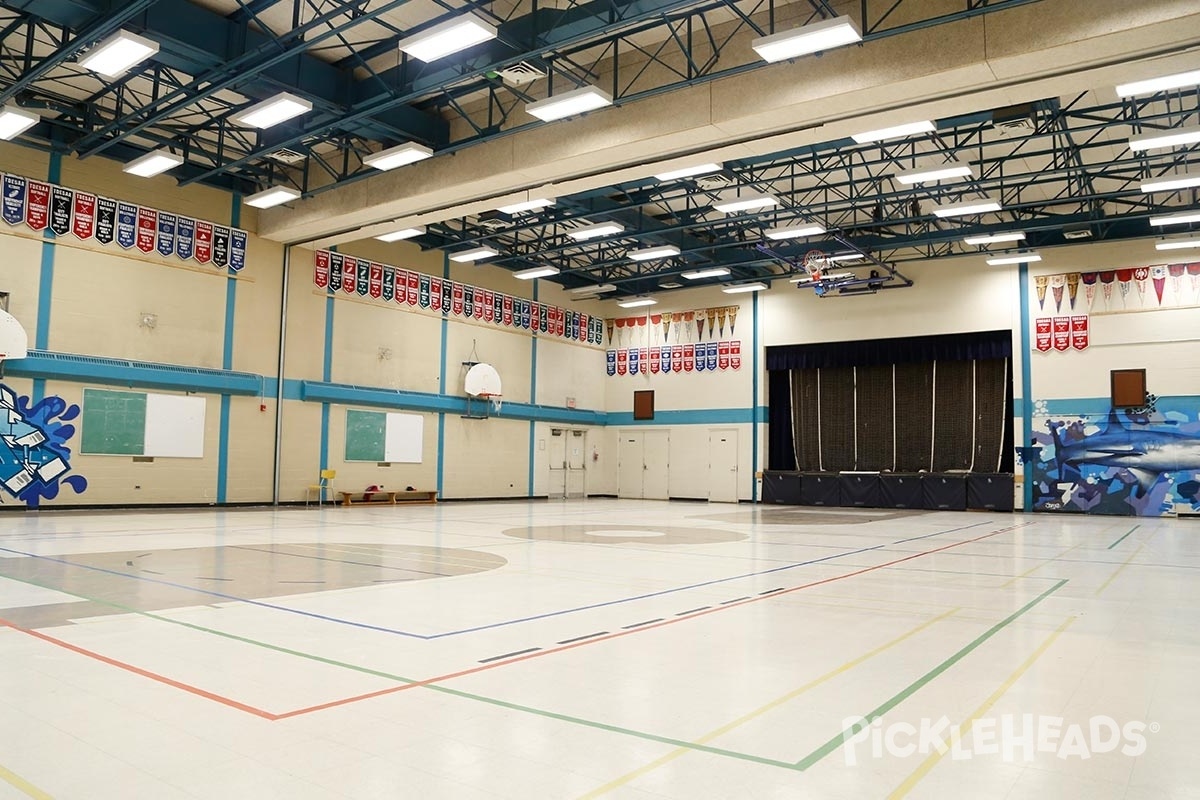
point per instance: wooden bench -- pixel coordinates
(389, 497)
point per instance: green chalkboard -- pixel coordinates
(114, 423)
(365, 432)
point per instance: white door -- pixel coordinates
(723, 465)
(656, 465)
(557, 456)
(630, 467)
(576, 463)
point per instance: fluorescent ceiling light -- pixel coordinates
(276, 195)
(711, 272)
(398, 156)
(595, 231)
(824, 35)
(1167, 138)
(1163, 84)
(15, 121)
(1177, 244)
(846, 257)
(730, 203)
(527, 205)
(448, 37)
(1171, 184)
(153, 163)
(601, 289)
(477, 254)
(966, 208)
(1019, 258)
(745, 287)
(1176, 219)
(935, 174)
(273, 110)
(689, 172)
(634, 302)
(535, 272)
(567, 104)
(894, 132)
(996, 238)
(651, 253)
(403, 233)
(795, 231)
(118, 53)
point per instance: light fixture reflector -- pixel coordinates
(636, 302)
(154, 163)
(600, 289)
(1177, 244)
(1165, 138)
(732, 203)
(401, 234)
(273, 110)
(894, 132)
(689, 172)
(595, 231)
(475, 254)
(448, 37)
(1018, 258)
(15, 120)
(943, 173)
(276, 195)
(1171, 184)
(738, 288)
(966, 208)
(1164, 83)
(996, 238)
(567, 104)
(527, 205)
(118, 53)
(1176, 219)
(815, 38)
(535, 272)
(398, 156)
(711, 272)
(795, 231)
(651, 253)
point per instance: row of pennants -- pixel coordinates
(646, 327)
(336, 272)
(1061, 334)
(41, 205)
(1065, 286)
(698, 357)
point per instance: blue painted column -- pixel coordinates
(327, 375)
(533, 348)
(1026, 390)
(41, 335)
(754, 401)
(441, 435)
(235, 219)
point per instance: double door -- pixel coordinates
(644, 466)
(568, 462)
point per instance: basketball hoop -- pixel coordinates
(815, 262)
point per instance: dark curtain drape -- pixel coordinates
(885, 352)
(781, 448)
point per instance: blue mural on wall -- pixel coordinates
(1142, 462)
(35, 461)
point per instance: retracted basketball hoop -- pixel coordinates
(815, 262)
(483, 382)
(14, 342)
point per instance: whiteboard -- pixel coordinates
(404, 438)
(174, 426)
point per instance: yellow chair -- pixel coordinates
(321, 486)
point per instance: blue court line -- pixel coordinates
(429, 637)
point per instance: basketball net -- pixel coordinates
(495, 399)
(815, 263)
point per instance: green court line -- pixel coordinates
(1118, 541)
(840, 739)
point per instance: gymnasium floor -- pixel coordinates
(599, 648)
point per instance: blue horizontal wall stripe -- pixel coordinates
(51, 365)
(696, 416)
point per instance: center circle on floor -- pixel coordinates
(615, 534)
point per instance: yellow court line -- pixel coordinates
(22, 785)
(674, 754)
(1038, 566)
(1117, 572)
(921, 771)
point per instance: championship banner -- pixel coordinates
(643, 360)
(61, 201)
(435, 294)
(457, 305)
(622, 361)
(610, 362)
(1062, 334)
(321, 269)
(14, 199)
(655, 360)
(401, 291)
(1040, 282)
(711, 359)
(723, 355)
(689, 357)
(677, 358)
(1141, 275)
(349, 274)
(608, 324)
(1159, 276)
(497, 307)
(468, 301)
(1072, 287)
(1106, 280)
(413, 289)
(204, 238)
(220, 256)
(237, 249)
(666, 358)
(721, 312)
(542, 318)
(711, 314)
(446, 290)
(388, 289)
(106, 220)
(375, 280)
(83, 217)
(582, 326)
(702, 357)
(364, 277)
(1089, 286)
(1044, 335)
(147, 229)
(1176, 271)
(489, 308)
(424, 292)
(1057, 284)
(1079, 331)
(732, 320)
(37, 206)
(185, 237)
(735, 352)
(526, 314)
(560, 322)
(335, 271)
(1125, 281)
(480, 297)
(166, 230)
(508, 320)
(635, 357)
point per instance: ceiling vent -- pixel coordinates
(714, 182)
(520, 74)
(285, 156)
(1077, 232)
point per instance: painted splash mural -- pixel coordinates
(35, 462)
(1141, 462)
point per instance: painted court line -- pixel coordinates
(21, 785)
(1118, 570)
(932, 759)
(509, 655)
(1038, 566)
(1118, 541)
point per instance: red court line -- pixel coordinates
(550, 651)
(258, 712)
